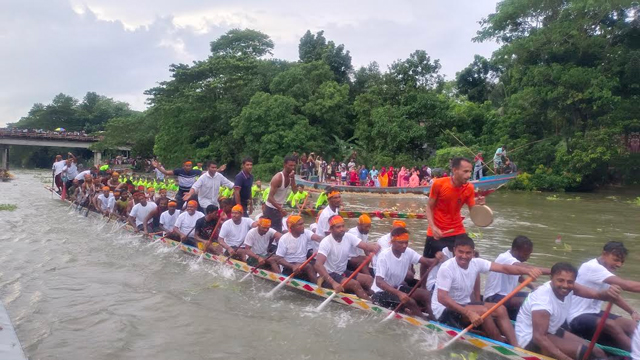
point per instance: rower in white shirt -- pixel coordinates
(635, 344)
(234, 231)
(183, 229)
(139, 212)
(539, 323)
(455, 283)
(361, 231)
(208, 186)
(598, 274)
(259, 242)
(499, 285)
(332, 258)
(105, 202)
(169, 217)
(335, 200)
(390, 288)
(385, 242)
(293, 246)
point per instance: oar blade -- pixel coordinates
(326, 302)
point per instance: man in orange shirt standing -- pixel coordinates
(447, 196)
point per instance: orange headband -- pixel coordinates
(264, 222)
(335, 220)
(399, 223)
(188, 163)
(172, 202)
(193, 203)
(105, 188)
(293, 219)
(364, 219)
(332, 194)
(401, 237)
(237, 208)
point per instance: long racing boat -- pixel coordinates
(352, 301)
(487, 183)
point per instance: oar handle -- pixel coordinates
(296, 271)
(599, 328)
(490, 311)
(357, 270)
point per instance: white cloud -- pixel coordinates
(120, 48)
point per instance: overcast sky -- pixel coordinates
(119, 48)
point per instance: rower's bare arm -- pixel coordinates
(369, 247)
(225, 245)
(316, 238)
(249, 252)
(447, 301)
(544, 270)
(431, 204)
(626, 285)
(540, 322)
(150, 215)
(322, 271)
(132, 222)
(516, 270)
(626, 307)
(611, 294)
(275, 184)
(390, 289)
(236, 194)
(161, 168)
(428, 262)
(280, 260)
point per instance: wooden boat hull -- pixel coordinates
(487, 183)
(480, 342)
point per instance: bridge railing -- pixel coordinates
(53, 135)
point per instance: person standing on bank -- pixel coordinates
(242, 187)
(447, 196)
(280, 182)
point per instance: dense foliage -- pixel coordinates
(561, 92)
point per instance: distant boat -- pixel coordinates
(487, 183)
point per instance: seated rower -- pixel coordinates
(361, 231)
(499, 285)
(186, 223)
(443, 255)
(385, 242)
(598, 274)
(233, 233)
(335, 200)
(169, 217)
(122, 205)
(390, 288)
(332, 258)
(152, 220)
(259, 243)
(292, 248)
(539, 323)
(455, 283)
(105, 202)
(140, 211)
(204, 228)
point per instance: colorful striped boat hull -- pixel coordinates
(487, 183)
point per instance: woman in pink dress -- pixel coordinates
(401, 175)
(414, 180)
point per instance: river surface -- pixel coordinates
(76, 290)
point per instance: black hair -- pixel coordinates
(522, 242)
(399, 231)
(615, 248)
(290, 158)
(563, 266)
(464, 240)
(457, 161)
(247, 159)
(211, 162)
(226, 201)
(211, 208)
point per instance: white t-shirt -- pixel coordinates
(337, 253)
(393, 270)
(186, 222)
(364, 237)
(259, 243)
(384, 243)
(592, 275)
(499, 283)
(543, 298)
(107, 202)
(635, 344)
(167, 220)
(294, 250)
(234, 234)
(431, 278)
(140, 212)
(457, 281)
(323, 220)
(58, 166)
(81, 175)
(72, 171)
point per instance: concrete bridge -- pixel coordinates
(18, 137)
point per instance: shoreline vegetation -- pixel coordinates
(561, 93)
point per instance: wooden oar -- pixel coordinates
(599, 328)
(253, 269)
(488, 312)
(208, 243)
(415, 287)
(353, 275)
(283, 283)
